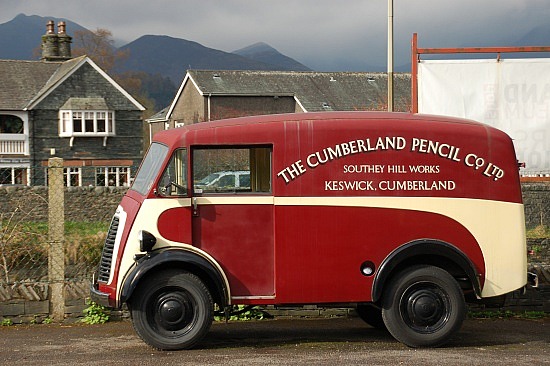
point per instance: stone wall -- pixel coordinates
(82, 204)
(536, 198)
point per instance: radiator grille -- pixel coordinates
(107, 255)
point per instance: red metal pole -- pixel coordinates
(432, 51)
(414, 73)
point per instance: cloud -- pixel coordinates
(323, 34)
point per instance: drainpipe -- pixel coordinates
(209, 95)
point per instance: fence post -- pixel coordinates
(56, 228)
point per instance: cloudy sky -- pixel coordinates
(325, 35)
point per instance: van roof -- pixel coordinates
(233, 129)
(334, 115)
(355, 115)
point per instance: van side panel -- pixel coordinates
(321, 247)
(443, 179)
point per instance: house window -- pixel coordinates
(11, 124)
(86, 123)
(72, 177)
(13, 176)
(112, 176)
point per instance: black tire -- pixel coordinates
(423, 306)
(172, 310)
(372, 315)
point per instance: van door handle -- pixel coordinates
(195, 207)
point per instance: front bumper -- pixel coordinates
(97, 296)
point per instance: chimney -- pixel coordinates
(56, 47)
(64, 42)
(50, 44)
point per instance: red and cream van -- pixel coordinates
(403, 217)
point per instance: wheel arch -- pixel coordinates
(180, 259)
(429, 252)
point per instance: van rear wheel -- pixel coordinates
(172, 310)
(423, 306)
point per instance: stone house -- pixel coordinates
(69, 108)
(206, 95)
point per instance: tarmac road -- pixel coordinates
(343, 341)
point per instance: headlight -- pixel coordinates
(146, 241)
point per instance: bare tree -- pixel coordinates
(99, 46)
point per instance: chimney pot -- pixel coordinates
(61, 27)
(50, 27)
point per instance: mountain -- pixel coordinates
(159, 62)
(20, 38)
(263, 52)
(171, 57)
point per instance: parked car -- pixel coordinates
(224, 181)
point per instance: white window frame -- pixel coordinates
(119, 172)
(25, 168)
(68, 118)
(70, 171)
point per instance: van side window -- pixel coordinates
(232, 170)
(174, 178)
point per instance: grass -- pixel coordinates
(24, 246)
(540, 232)
(71, 227)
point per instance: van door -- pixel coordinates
(234, 222)
(174, 221)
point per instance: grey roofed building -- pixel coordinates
(69, 108)
(342, 91)
(214, 94)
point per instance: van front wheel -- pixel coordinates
(423, 306)
(172, 310)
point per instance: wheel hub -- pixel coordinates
(425, 308)
(174, 311)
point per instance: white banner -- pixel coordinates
(511, 95)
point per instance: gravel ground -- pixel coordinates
(345, 341)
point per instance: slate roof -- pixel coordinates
(314, 91)
(23, 81)
(160, 116)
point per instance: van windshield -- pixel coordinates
(150, 168)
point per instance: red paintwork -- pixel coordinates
(175, 223)
(240, 238)
(325, 246)
(307, 254)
